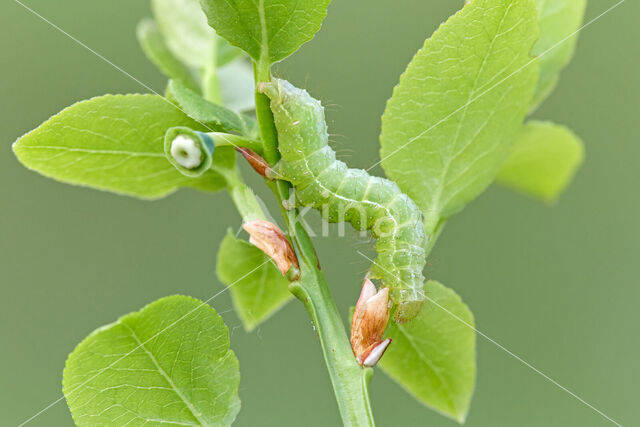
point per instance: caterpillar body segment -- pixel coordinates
(351, 195)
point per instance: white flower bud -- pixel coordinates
(191, 152)
(186, 152)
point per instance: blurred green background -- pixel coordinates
(557, 285)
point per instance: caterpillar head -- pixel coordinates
(276, 89)
(189, 151)
(284, 94)
(298, 117)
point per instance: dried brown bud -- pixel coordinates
(272, 241)
(369, 322)
(258, 164)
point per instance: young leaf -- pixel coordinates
(559, 22)
(185, 28)
(448, 127)
(257, 295)
(227, 54)
(216, 117)
(268, 30)
(116, 143)
(236, 81)
(189, 36)
(192, 40)
(155, 47)
(543, 160)
(169, 363)
(433, 356)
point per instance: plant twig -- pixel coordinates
(350, 381)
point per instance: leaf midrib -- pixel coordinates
(264, 35)
(178, 392)
(436, 201)
(90, 151)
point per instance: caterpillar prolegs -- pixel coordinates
(351, 195)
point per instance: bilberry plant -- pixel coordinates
(454, 125)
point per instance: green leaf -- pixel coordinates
(169, 363)
(227, 54)
(214, 116)
(433, 356)
(185, 28)
(189, 36)
(559, 22)
(258, 288)
(236, 81)
(226, 76)
(268, 30)
(543, 160)
(156, 49)
(448, 127)
(116, 143)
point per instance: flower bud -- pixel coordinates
(369, 322)
(271, 240)
(191, 152)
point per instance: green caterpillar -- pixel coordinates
(351, 195)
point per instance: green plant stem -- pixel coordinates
(222, 139)
(350, 381)
(243, 197)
